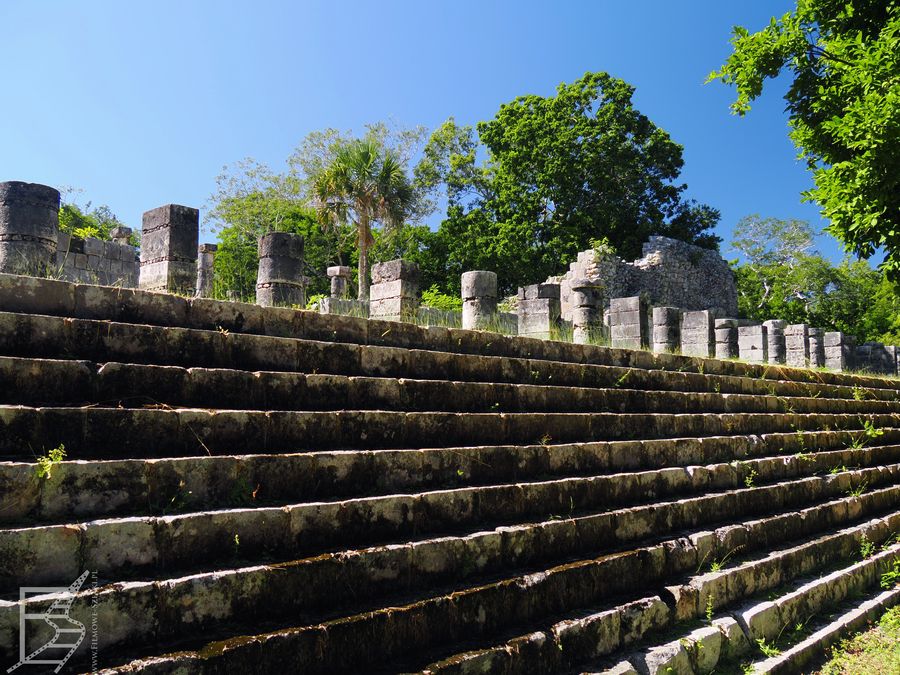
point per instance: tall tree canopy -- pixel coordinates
(363, 184)
(559, 172)
(844, 107)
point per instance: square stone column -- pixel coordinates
(479, 296)
(777, 344)
(816, 347)
(753, 344)
(629, 323)
(169, 238)
(698, 336)
(796, 345)
(666, 329)
(394, 293)
(539, 310)
(840, 351)
(587, 311)
(726, 338)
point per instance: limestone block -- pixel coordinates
(169, 237)
(816, 347)
(839, 350)
(666, 329)
(796, 343)
(393, 270)
(697, 336)
(29, 228)
(776, 339)
(479, 284)
(753, 344)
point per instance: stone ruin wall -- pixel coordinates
(93, 261)
(670, 273)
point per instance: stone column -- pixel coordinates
(796, 345)
(394, 294)
(698, 336)
(340, 281)
(753, 344)
(586, 299)
(479, 296)
(840, 351)
(121, 235)
(628, 324)
(169, 237)
(29, 228)
(206, 256)
(539, 310)
(816, 347)
(666, 329)
(726, 338)
(775, 336)
(279, 282)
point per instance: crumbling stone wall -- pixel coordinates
(92, 261)
(671, 272)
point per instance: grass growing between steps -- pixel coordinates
(876, 650)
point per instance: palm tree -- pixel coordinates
(363, 184)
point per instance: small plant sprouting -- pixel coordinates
(767, 649)
(717, 565)
(866, 547)
(750, 478)
(237, 544)
(709, 609)
(45, 463)
(859, 490)
(837, 469)
(892, 577)
(545, 439)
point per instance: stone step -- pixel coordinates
(84, 489)
(113, 547)
(47, 337)
(28, 295)
(64, 383)
(771, 622)
(91, 432)
(477, 613)
(324, 585)
(852, 619)
(594, 637)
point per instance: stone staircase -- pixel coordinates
(266, 490)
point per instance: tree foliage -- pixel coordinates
(844, 108)
(782, 276)
(87, 222)
(557, 173)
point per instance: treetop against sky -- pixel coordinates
(142, 103)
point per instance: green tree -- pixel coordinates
(87, 222)
(844, 109)
(365, 183)
(782, 276)
(559, 172)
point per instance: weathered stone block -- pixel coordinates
(169, 237)
(393, 270)
(776, 338)
(697, 336)
(629, 323)
(279, 281)
(29, 228)
(816, 347)
(753, 344)
(839, 351)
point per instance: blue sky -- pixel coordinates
(141, 103)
